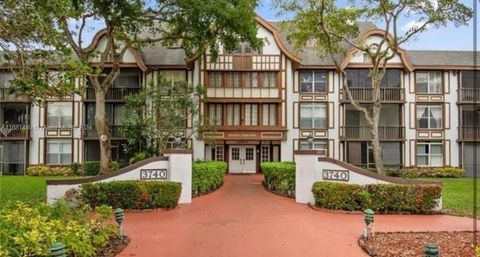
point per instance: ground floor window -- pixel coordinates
(361, 154)
(12, 157)
(215, 152)
(316, 144)
(471, 158)
(92, 151)
(429, 153)
(59, 151)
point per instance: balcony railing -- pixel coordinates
(91, 132)
(469, 133)
(113, 94)
(469, 95)
(363, 132)
(6, 96)
(244, 62)
(365, 94)
(14, 131)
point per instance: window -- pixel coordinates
(313, 81)
(251, 114)
(214, 152)
(313, 115)
(317, 145)
(243, 47)
(59, 151)
(265, 153)
(429, 82)
(215, 79)
(233, 114)
(269, 79)
(5, 78)
(59, 114)
(269, 115)
(215, 114)
(250, 79)
(128, 79)
(174, 76)
(358, 78)
(429, 154)
(429, 116)
(233, 79)
(468, 79)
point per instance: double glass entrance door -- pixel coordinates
(242, 159)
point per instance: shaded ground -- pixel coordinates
(451, 244)
(243, 219)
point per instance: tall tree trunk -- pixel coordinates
(102, 131)
(377, 148)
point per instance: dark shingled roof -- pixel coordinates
(432, 57)
(157, 54)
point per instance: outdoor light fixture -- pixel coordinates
(431, 250)
(58, 250)
(368, 218)
(177, 142)
(119, 215)
(310, 142)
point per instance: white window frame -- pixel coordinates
(429, 155)
(431, 82)
(265, 153)
(66, 111)
(316, 115)
(429, 118)
(313, 81)
(59, 143)
(318, 145)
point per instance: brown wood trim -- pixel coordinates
(296, 117)
(242, 100)
(108, 175)
(370, 174)
(308, 152)
(178, 151)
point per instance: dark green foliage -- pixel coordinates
(132, 194)
(339, 196)
(279, 177)
(207, 176)
(427, 172)
(140, 156)
(76, 168)
(411, 198)
(91, 168)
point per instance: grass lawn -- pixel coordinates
(458, 195)
(24, 188)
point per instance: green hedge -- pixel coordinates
(279, 177)
(48, 170)
(427, 172)
(132, 194)
(92, 168)
(207, 176)
(412, 198)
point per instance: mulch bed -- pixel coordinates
(115, 246)
(400, 244)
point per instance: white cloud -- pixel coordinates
(412, 25)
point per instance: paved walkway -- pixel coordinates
(242, 219)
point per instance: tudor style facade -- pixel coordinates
(266, 103)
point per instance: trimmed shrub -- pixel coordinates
(427, 172)
(47, 170)
(411, 198)
(207, 176)
(77, 168)
(279, 177)
(132, 194)
(92, 168)
(419, 198)
(339, 196)
(31, 231)
(140, 156)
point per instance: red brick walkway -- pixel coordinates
(242, 219)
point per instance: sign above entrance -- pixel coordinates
(245, 135)
(153, 174)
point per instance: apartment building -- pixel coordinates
(266, 103)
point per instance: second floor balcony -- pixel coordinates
(365, 94)
(90, 132)
(114, 94)
(386, 133)
(14, 131)
(469, 133)
(469, 95)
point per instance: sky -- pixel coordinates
(445, 38)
